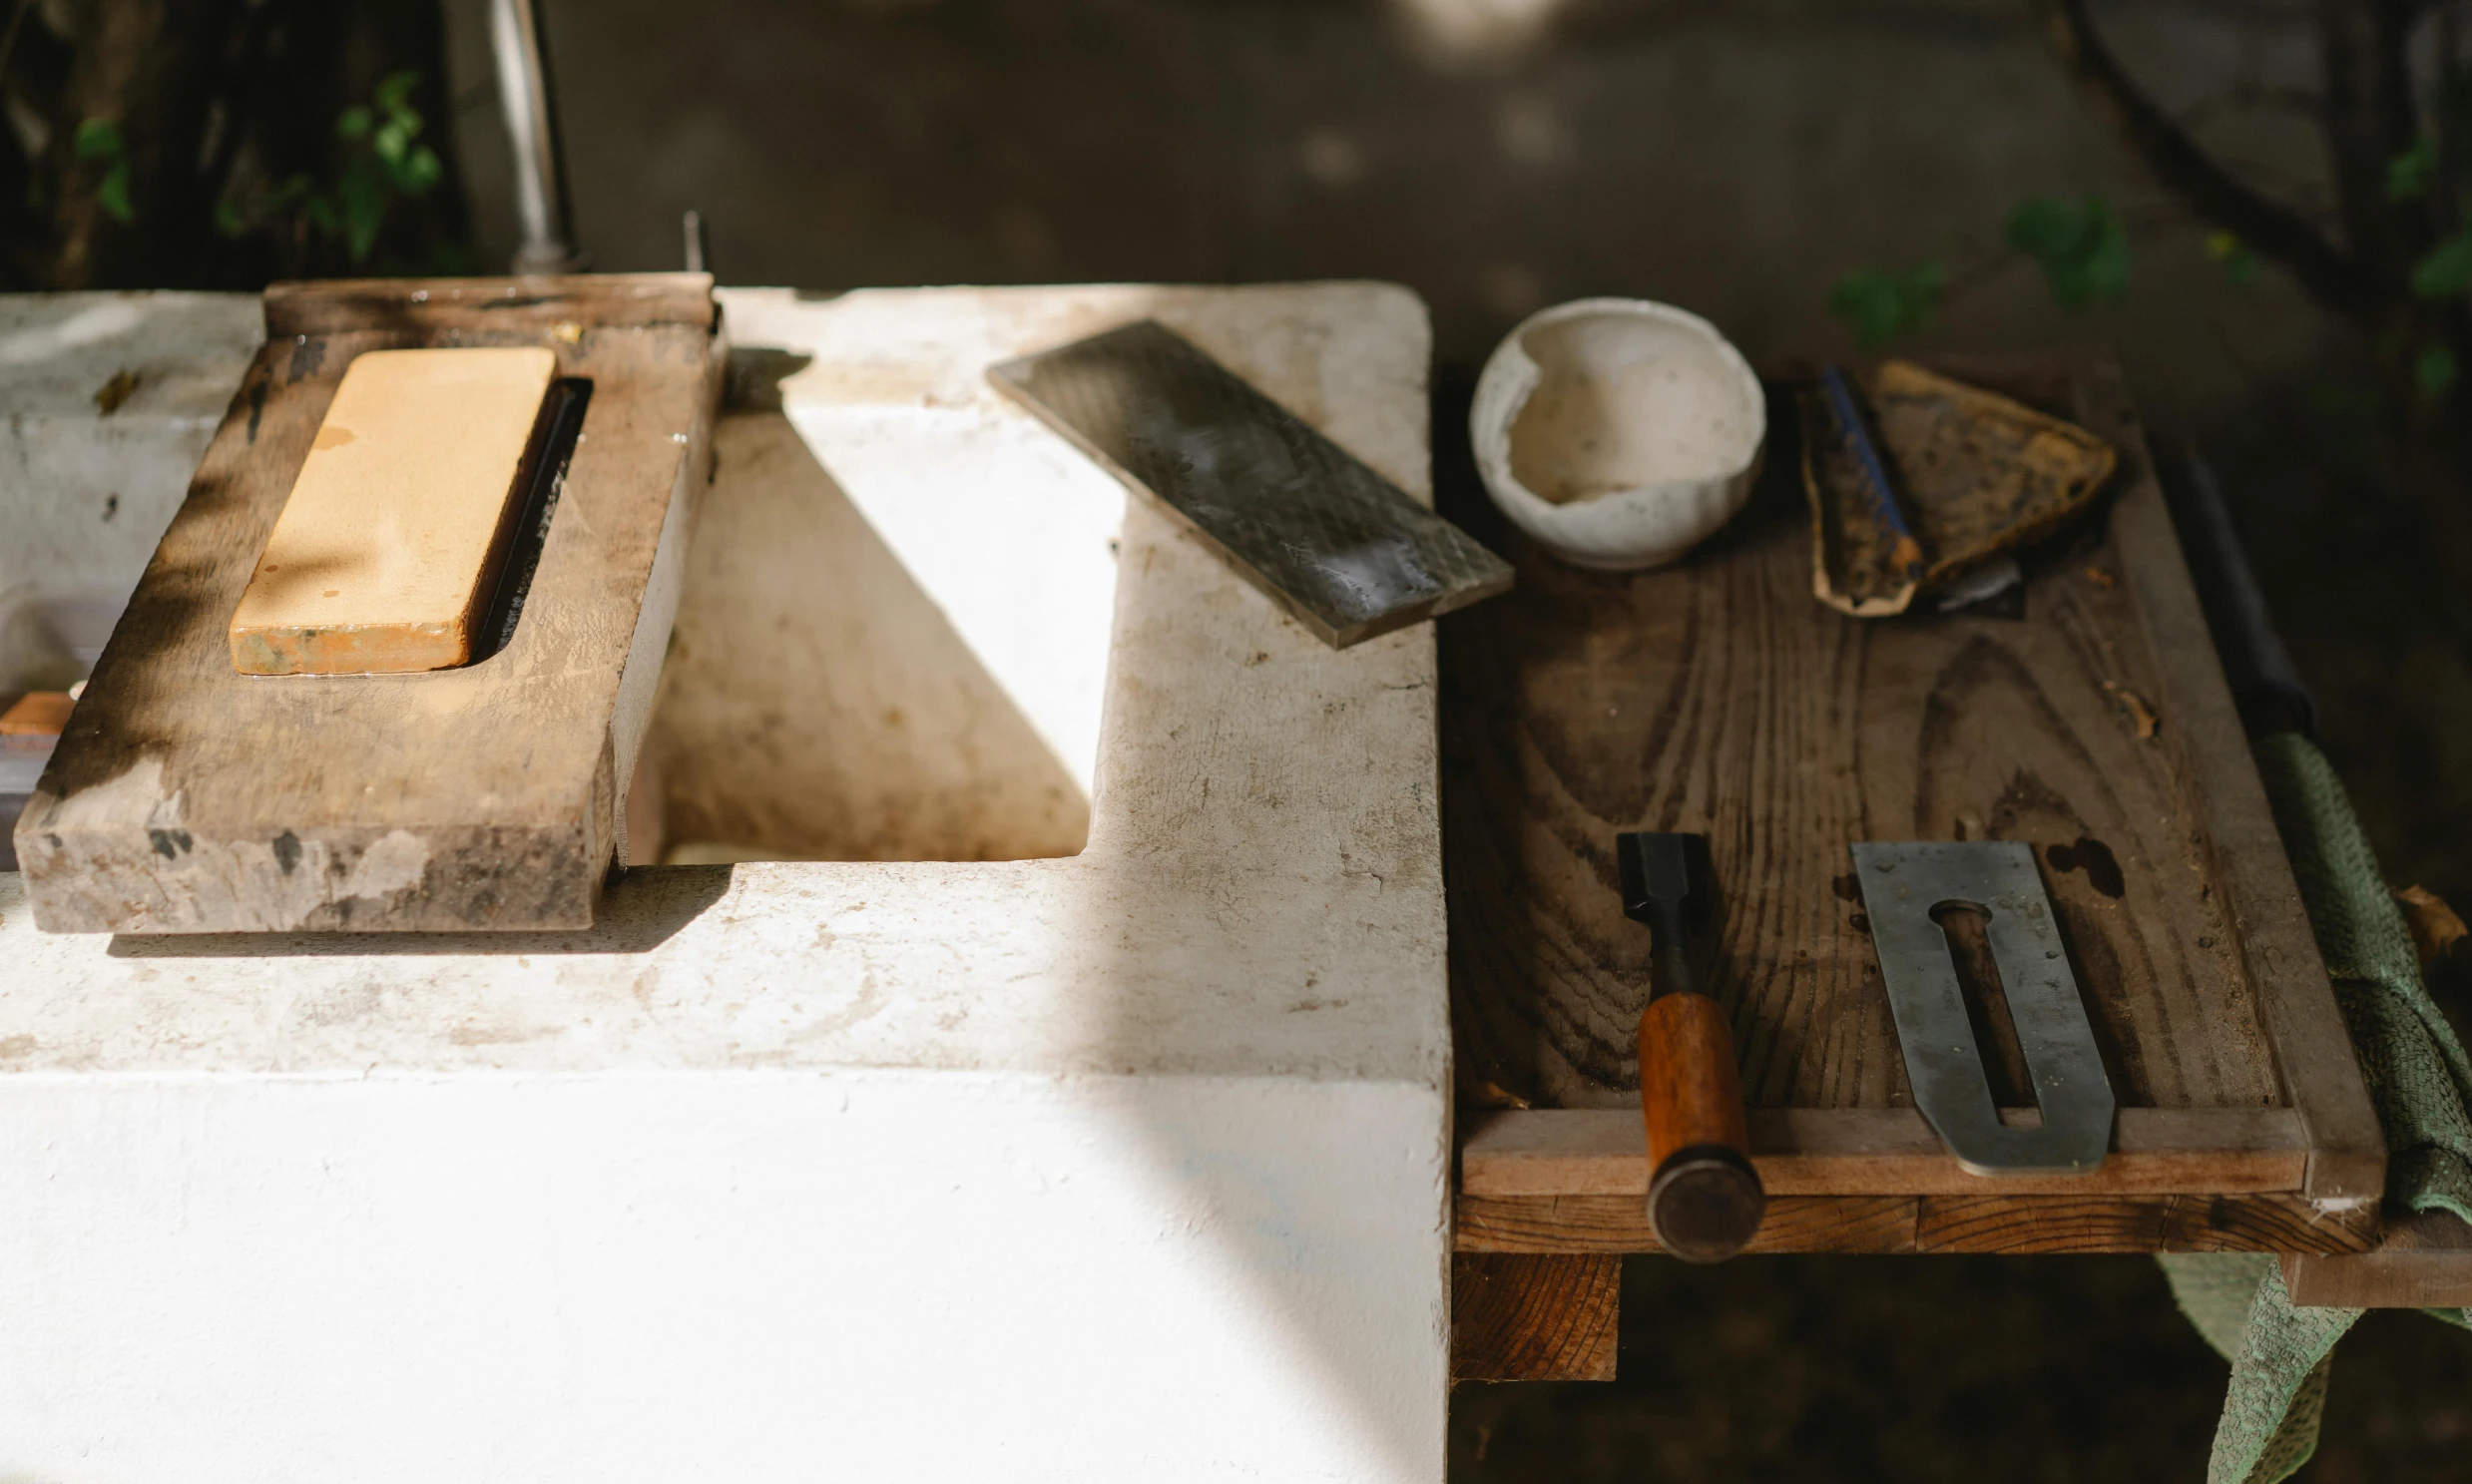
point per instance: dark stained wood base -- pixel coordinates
(1519, 1317)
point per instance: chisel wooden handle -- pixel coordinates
(1705, 1200)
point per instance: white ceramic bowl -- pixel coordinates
(1618, 432)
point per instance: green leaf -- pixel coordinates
(2083, 249)
(2239, 264)
(363, 198)
(392, 139)
(395, 89)
(2434, 371)
(319, 212)
(353, 123)
(2043, 227)
(2447, 271)
(227, 220)
(1882, 306)
(113, 194)
(97, 138)
(2408, 175)
(420, 170)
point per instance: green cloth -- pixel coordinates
(2417, 1076)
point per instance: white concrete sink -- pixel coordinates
(957, 1155)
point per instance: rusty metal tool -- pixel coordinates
(1705, 1199)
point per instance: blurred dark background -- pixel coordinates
(1925, 173)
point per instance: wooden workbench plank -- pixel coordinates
(186, 798)
(2233, 827)
(1937, 1224)
(1717, 696)
(1519, 1317)
(2422, 1261)
(1885, 1151)
(2125, 1223)
(1619, 1223)
(526, 306)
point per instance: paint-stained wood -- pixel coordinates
(186, 798)
(1717, 697)
(1522, 1317)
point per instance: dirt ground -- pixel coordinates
(2047, 1371)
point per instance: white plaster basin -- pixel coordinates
(1618, 433)
(803, 1160)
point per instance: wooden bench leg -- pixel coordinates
(1517, 1316)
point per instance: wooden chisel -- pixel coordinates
(1705, 1199)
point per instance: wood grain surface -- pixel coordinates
(1517, 1316)
(1886, 1151)
(1717, 696)
(2423, 1260)
(1938, 1224)
(186, 798)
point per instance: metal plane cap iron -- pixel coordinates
(1903, 886)
(1328, 538)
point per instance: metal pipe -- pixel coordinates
(699, 245)
(532, 124)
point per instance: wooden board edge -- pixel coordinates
(2423, 1260)
(1885, 1152)
(639, 683)
(568, 890)
(1527, 1316)
(2296, 1001)
(334, 306)
(1619, 1224)
(1938, 1225)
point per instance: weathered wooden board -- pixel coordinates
(2423, 1260)
(186, 798)
(1715, 696)
(1938, 1224)
(1885, 1151)
(1519, 1317)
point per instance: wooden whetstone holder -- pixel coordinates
(187, 798)
(1719, 697)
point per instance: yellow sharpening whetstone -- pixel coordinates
(386, 550)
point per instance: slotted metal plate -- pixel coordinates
(1335, 544)
(1903, 885)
